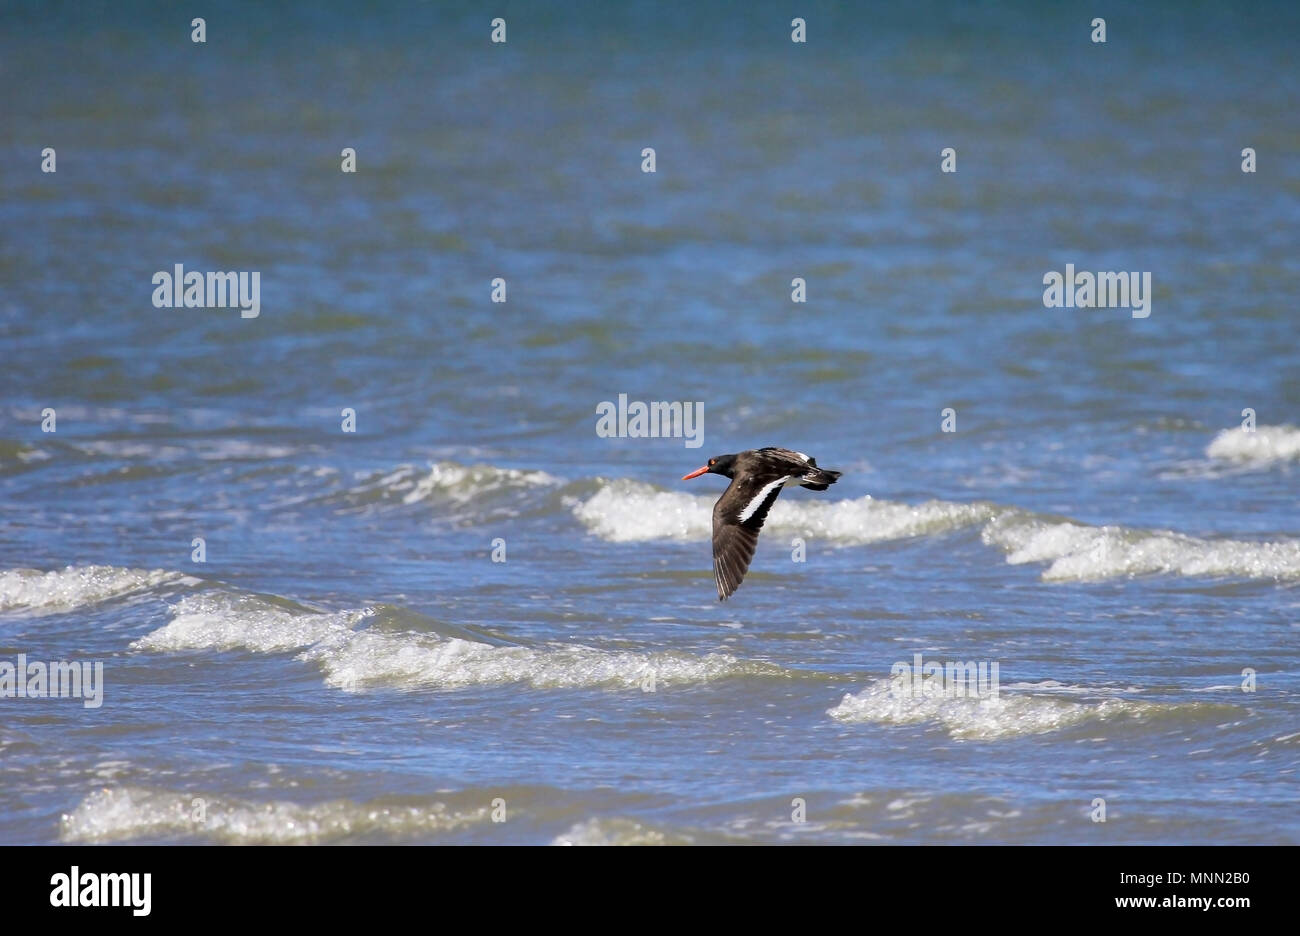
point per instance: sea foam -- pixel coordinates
(630, 511)
(1266, 445)
(352, 658)
(37, 592)
(1010, 714)
(627, 511)
(124, 813)
(1077, 552)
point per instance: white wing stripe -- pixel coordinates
(752, 507)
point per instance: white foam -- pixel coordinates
(463, 483)
(616, 831)
(444, 481)
(1267, 445)
(1076, 552)
(232, 622)
(420, 661)
(869, 521)
(38, 592)
(26, 455)
(1009, 715)
(131, 813)
(630, 511)
(352, 659)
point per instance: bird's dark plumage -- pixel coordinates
(757, 477)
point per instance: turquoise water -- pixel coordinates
(350, 664)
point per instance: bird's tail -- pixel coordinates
(819, 479)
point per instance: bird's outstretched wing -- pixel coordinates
(735, 530)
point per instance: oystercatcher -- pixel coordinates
(757, 477)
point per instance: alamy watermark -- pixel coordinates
(80, 888)
(1085, 290)
(61, 679)
(195, 290)
(637, 420)
(921, 680)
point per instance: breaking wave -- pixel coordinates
(126, 813)
(37, 592)
(618, 831)
(628, 511)
(1077, 552)
(353, 658)
(452, 481)
(1266, 445)
(1011, 714)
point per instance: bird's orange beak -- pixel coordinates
(696, 473)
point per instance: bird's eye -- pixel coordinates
(713, 461)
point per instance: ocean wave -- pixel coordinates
(34, 591)
(463, 483)
(354, 659)
(618, 831)
(225, 621)
(445, 481)
(630, 511)
(127, 813)
(1009, 715)
(417, 661)
(1266, 445)
(1077, 552)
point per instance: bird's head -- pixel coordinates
(721, 464)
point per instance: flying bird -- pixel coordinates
(757, 477)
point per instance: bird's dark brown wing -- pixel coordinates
(775, 455)
(734, 538)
